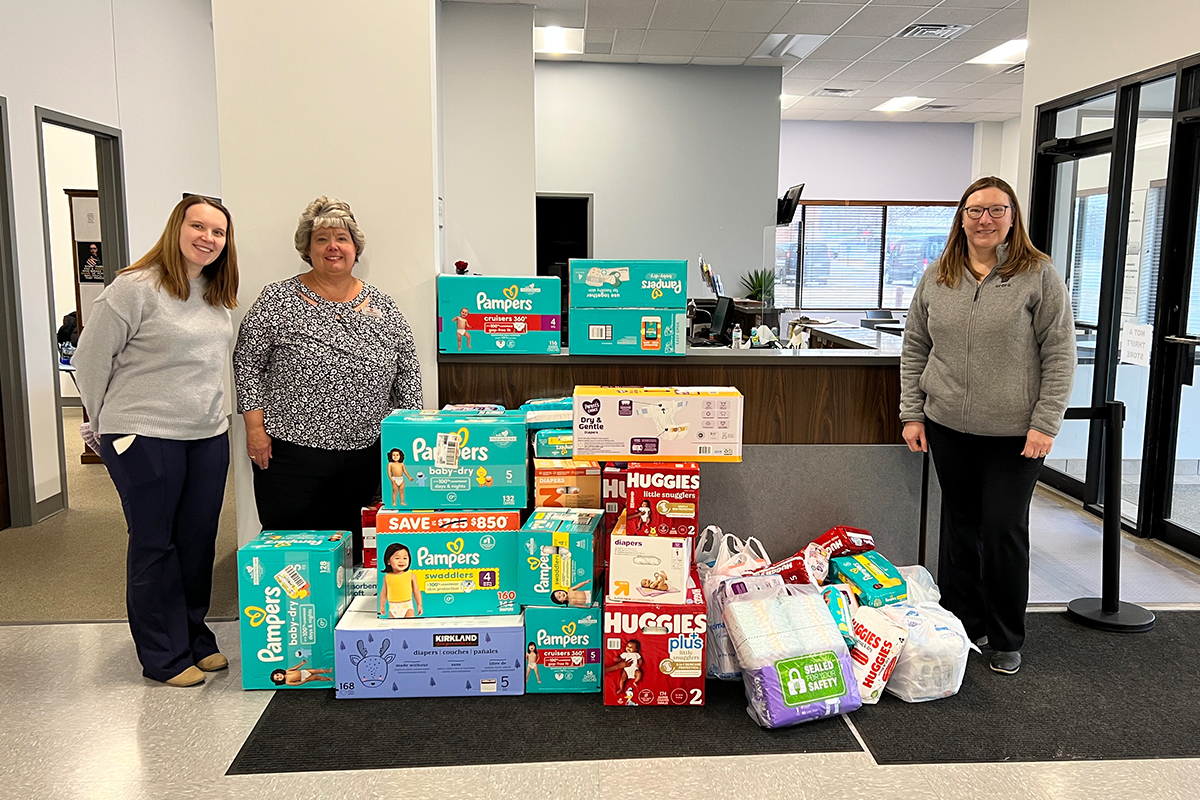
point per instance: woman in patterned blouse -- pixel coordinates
(321, 359)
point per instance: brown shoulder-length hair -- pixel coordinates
(1022, 255)
(222, 273)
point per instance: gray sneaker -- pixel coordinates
(1006, 662)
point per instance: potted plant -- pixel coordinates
(760, 285)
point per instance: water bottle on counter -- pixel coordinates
(737, 334)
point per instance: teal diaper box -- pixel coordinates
(292, 588)
(553, 443)
(562, 649)
(597, 283)
(557, 556)
(628, 332)
(497, 315)
(451, 573)
(446, 460)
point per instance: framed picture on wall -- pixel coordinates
(91, 262)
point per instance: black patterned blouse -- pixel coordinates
(325, 374)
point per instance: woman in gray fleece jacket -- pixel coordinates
(985, 376)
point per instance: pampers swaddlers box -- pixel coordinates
(292, 588)
(598, 283)
(447, 574)
(460, 657)
(436, 459)
(684, 423)
(628, 331)
(487, 314)
(562, 649)
(556, 557)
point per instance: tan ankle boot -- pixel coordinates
(213, 663)
(189, 677)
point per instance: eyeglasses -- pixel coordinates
(995, 212)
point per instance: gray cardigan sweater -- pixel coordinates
(994, 357)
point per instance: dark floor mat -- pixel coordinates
(303, 731)
(1080, 695)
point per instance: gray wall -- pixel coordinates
(682, 160)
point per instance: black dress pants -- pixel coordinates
(310, 488)
(171, 491)
(987, 486)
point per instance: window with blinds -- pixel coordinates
(915, 238)
(787, 256)
(1151, 253)
(1087, 256)
(842, 256)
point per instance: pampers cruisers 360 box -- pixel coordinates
(292, 588)
(643, 423)
(490, 314)
(440, 459)
(562, 649)
(447, 574)
(459, 657)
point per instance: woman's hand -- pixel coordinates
(1037, 444)
(258, 446)
(914, 437)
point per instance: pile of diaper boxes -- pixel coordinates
(634, 308)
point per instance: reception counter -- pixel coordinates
(844, 391)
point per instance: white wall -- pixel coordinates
(486, 56)
(682, 160)
(1010, 156)
(64, 55)
(876, 160)
(376, 149)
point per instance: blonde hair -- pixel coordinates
(328, 212)
(1022, 255)
(166, 256)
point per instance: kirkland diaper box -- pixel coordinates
(490, 314)
(654, 655)
(562, 649)
(437, 459)
(599, 283)
(292, 588)
(450, 573)
(459, 657)
(627, 332)
(687, 423)
(556, 557)
(566, 483)
(664, 498)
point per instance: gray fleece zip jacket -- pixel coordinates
(994, 357)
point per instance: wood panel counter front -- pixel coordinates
(833, 396)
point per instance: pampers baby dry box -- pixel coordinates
(292, 588)
(453, 460)
(490, 315)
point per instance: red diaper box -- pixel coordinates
(368, 535)
(654, 655)
(612, 490)
(663, 498)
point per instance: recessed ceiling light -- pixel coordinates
(558, 41)
(1008, 53)
(903, 103)
(789, 100)
(788, 45)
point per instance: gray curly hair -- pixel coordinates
(327, 212)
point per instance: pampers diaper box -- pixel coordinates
(489, 314)
(292, 588)
(551, 442)
(459, 657)
(643, 423)
(598, 283)
(562, 649)
(447, 574)
(440, 459)
(628, 331)
(556, 557)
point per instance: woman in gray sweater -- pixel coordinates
(985, 376)
(150, 368)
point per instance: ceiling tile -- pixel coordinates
(817, 70)
(850, 48)
(1015, 78)
(999, 116)
(837, 115)
(975, 91)
(868, 71)
(954, 15)
(564, 13)
(886, 89)
(799, 88)
(969, 73)
(980, 106)
(671, 43)
(923, 3)
(980, 3)
(919, 71)
(801, 113)
(1012, 93)
(619, 13)
(876, 116)
(750, 17)
(954, 116)
(729, 43)
(628, 42)
(881, 20)
(598, 35)
(819, 102)
(1007, 24)
(597, 48)
(684, 15)
(900, 50)
(819, 18)
(859, 103)
(645, 59)
(786, 63)
(618, 59)
(1020, 4)
(838, 83)
(711, 61)
(939, 88)
(959, 51)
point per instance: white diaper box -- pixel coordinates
(649, 569)
(674, 423)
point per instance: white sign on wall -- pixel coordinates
(1133, 253)
(1136, 343)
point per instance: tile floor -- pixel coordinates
(77, 721)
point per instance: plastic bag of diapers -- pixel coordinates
(734, 558)
(934, 659)
(921, 588)
(878, 643)
(795, 665)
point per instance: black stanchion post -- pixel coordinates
(1108, 612)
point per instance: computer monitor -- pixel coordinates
(720, 316)
(786, 206)
(879, 313)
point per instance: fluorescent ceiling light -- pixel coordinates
(558, 41)
(1008, 53)
(903, 103)
(789, 100)
(788, 45)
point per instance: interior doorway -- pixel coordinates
(564, 231)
